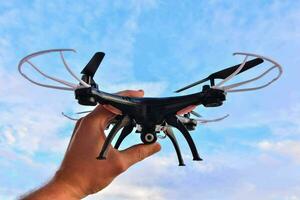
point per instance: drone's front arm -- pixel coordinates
(92, 96)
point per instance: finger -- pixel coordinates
(139, 152)
(112, 109)
(129, 93)
(74, 131)
(98, 118)
(186, 110)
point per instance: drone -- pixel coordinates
(150, 115)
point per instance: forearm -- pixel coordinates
(55, 189)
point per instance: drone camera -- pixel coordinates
(148, 138)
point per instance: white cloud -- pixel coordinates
(9, 137)
(31, 130)
(127, 191)
(220, 176)
(287, 148)
(31, 123)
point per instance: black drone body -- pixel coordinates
(151, 115)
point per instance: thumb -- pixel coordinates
(139, 152)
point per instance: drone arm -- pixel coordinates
(120, 124)
(207, 97)
(125, 132)
(174, 121)
(171, 136)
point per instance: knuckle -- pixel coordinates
(141, 154)
(124, 92)
(120, 166)
(87, 120)
(127, 91)
(78, 122)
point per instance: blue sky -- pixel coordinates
(157, 46)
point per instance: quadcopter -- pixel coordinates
(148, 115)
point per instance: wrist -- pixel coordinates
(65, 188)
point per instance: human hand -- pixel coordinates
(80, 173)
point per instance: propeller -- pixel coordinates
(225, 73)
(91, 68)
